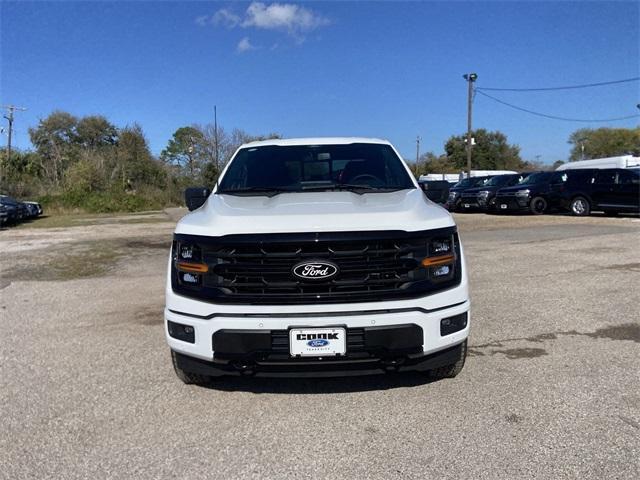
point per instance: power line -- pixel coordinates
(570, 87)
(555, 117)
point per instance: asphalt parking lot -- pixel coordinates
(550, 389)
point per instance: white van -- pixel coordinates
(624, 161)
(456, 177)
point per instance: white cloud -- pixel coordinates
(245, 45)
(282, 16)
(202, 20)
(293, 19)
(225, 17)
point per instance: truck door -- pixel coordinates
(603, 187)
(626, 191)
(556, 187)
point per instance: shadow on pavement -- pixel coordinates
(320, 385)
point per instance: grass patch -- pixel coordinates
(82, 260)
(82, 219)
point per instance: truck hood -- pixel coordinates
(480, 189)
(407, 210)
(515, 188)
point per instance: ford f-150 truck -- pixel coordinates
(317, 256)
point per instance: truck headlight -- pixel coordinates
(187, 260)
(483, 193)
(523, 193)
(441, 260)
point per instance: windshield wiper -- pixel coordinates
(354, 187)
(267, 191)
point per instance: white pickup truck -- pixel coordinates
(315, 256)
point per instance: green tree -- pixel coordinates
(490, 152)
(604, 142)
(187, 151)
(55, 141)
(95, 131)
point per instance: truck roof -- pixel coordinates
(285, 142)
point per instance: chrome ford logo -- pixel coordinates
(319, 342)
(315, 270)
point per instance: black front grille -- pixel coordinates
(257, 269)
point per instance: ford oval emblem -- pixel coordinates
(318, 342)
(315, 270)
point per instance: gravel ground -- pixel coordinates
(550, 389)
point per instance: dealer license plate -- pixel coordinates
(466, 205)
(317, 342)
(503, 206)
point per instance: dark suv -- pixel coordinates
(611, 190)
(484, 197)
(537, 193)
(455, 193)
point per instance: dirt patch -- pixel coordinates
(543, 337)
(518, 353)
(150, 317)
(513, 418)
(628, 331)
(630, 267)
(81, 259)
(149, 243)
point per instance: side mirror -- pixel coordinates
(195, 197)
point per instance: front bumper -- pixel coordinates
(322, 368)
(512, 204)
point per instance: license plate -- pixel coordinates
(466, 205)
(317, 342)
(503, 206)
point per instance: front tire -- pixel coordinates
(580, 207)
(187, 377)
(450, 371)
(538, 205)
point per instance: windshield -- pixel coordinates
(534, 178)
(498, 181)
(276, 169)
(471, 182)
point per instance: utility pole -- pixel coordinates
(9, 116)
(215, 136)
(470, 78)
(418, 149)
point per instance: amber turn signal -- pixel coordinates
(436, 261)
(192, 267)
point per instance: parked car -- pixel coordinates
(484, 197)
(288, 269)
(436, 190)
(11, 205)
(32, 210)
(611, 190)
(455, 192)
(38, 207)
(537, 193)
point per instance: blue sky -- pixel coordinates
(391, 70)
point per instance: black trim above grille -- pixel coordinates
(347, 313)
